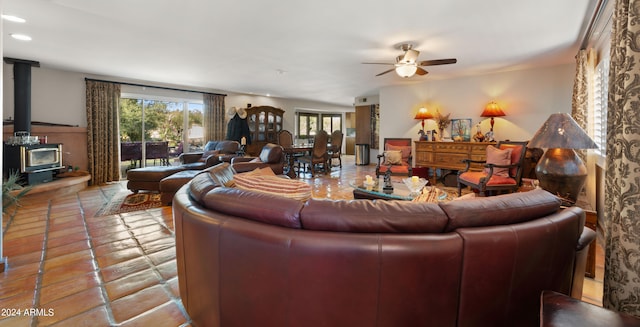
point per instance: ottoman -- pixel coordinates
(172, 183)
(148, 178)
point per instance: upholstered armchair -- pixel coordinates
(502, 170)
(271, 156)
(396, 156)
(214, 153)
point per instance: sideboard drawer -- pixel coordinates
(449, 155)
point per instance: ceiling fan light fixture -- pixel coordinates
(406, 70)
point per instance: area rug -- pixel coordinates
(127, 202)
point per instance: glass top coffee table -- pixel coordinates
(400, 191)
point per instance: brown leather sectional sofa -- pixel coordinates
(251, 259)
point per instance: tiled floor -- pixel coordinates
(119, 270)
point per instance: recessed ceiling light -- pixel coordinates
(14, 19)
(21, 37)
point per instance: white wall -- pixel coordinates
(527, 97)
(59, 97)
(56, 96)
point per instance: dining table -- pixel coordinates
(291, 151)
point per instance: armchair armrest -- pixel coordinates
(189, 157)
(212, 160)
(241, 159)
(468, 163)
(579, 266)
(241, 167)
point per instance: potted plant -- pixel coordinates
(12, 191)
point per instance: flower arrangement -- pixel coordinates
(443, 121)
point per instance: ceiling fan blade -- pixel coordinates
(421, 71)
(386, 71)
(438, 62)
(377, 63)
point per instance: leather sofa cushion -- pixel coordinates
(500, 210)
(262, 207)
(364, 216)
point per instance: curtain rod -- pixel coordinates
(598, 9)
(153, 86)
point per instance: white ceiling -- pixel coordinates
(292, 48)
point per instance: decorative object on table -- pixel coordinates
(443, 122)
(423, 113)
(415, 185)
(369, 183)
(461, 130)
(388, 187)
(492, 109)
(560, 170)
(478, 136)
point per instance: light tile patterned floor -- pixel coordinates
(119, 270)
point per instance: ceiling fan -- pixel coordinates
(407, 65)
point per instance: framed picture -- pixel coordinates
(461, 129)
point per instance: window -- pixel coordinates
(600, 91)
(331, 122)
(308, 123)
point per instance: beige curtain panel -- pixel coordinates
(622, 194)
(214, 117)
(103, 102)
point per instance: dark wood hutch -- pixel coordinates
(264, 124)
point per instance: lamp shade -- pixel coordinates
(492, 110)
(406, 70)
(560, 170)
(561, 131)
(423, 113)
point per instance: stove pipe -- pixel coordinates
(22, 93)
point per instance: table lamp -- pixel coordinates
(492, 110)
(423, 114)
(560, 170)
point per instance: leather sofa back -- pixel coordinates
(272, 154)
(251, 259)
(225, 147)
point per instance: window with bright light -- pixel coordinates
(601, 91)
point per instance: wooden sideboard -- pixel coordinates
(449, 155)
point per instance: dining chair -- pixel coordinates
(335, 151)
(318, 155)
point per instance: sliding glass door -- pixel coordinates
(153, 132)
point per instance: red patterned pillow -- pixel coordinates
(274, 185)
(498, 157)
